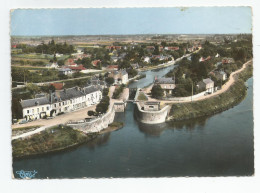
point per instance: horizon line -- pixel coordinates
(130, 34)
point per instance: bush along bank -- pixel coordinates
(53, 139)
(234, 95)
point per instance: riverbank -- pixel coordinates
(54, 139)
(156, 67)
(216, 104)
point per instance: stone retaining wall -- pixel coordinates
(96, 125)
(151, 117)
(186, 98)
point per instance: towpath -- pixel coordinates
(224, 88)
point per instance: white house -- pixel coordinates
(71, 99)
(206, 85)
(36, 108)
(120, 77)
(52, 65)
(147, 59)
(62, 101)
(221, 75)
(65, 71)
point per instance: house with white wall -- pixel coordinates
(62, 101)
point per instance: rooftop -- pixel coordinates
(164, 81)
(207, 81)
(35, 102)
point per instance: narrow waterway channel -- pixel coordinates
(220, 145)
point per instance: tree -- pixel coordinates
(195, 58)
(163, 43)
(157, 91)
(110, 80)
(91, 113)
(54, 58)
(156, 50)
(52, 88)
(17, 110)
(102, 107)
(132, 72)
(105, 91)
(32, 88)
(60, 62)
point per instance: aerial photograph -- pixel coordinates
(131, 92)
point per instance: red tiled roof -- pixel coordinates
(112, 66)
(95, 62)
(150, 47)
(173, 48)
(57, 85)
(79, 67)
(114, 47)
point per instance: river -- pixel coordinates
(220, 145)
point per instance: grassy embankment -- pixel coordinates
(142, 97)
(21, 130)
(234, 95)
(112, 127)
(55, 139)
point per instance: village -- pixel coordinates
(129, 92)
(95, 79)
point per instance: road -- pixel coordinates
(164, 65)
(224, 88)
(228, 84)
(63, 119)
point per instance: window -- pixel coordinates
(38, 110)
(42, 108)
(47, 108)
(151, 107)
(33, 111)
(55, 105)
(63, 103)
(28, 111)
(59, 104)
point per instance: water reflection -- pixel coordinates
(98, 141)
(156, 130)
(188, 124)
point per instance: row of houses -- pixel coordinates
(62, 101)
(168, 84)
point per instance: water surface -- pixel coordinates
(220, 145)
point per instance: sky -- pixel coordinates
(122, 21)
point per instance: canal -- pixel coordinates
(220, 145)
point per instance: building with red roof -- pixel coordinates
(114, 47)
(70, 62)
(96, 62)
(172, 48)
(77, 68)
(58, 85)
(112, 67)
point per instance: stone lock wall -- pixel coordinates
(97, 124)
(151, 117)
